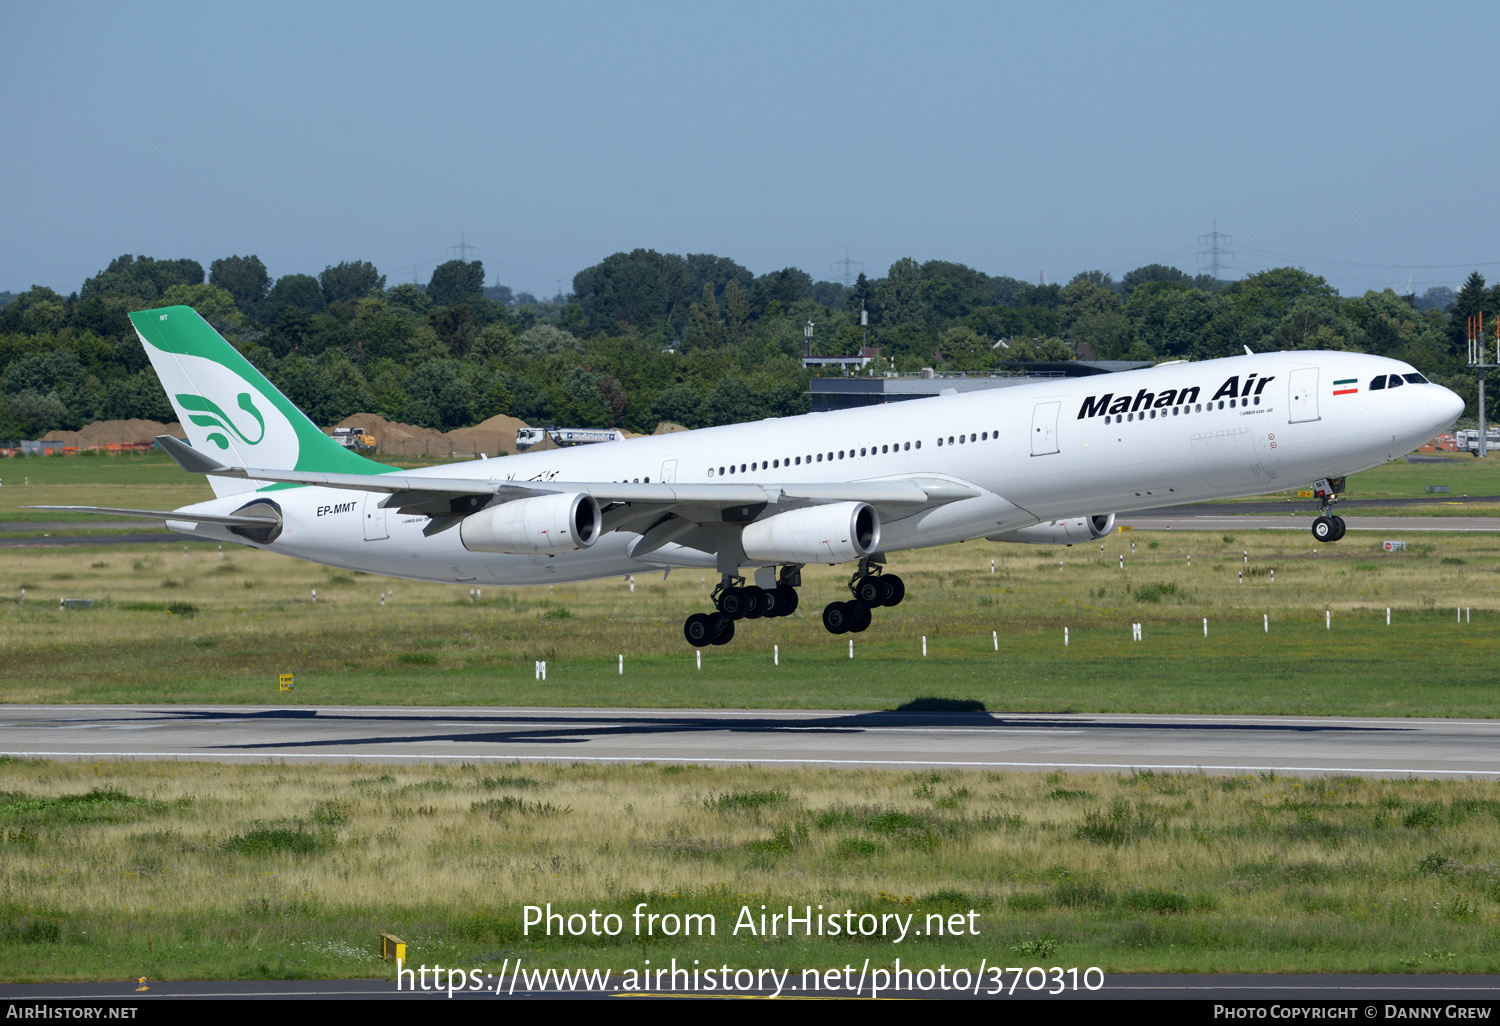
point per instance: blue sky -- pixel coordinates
(1357, 140)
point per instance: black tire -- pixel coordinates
(733, 603)
(725, 634)
(867, 591)
(1323, 529)
(786, 600)
(898, 589)
(755, 602)
(836, 617)
(699, 629)
(862, 620)
(770, 603)
(1338, 528)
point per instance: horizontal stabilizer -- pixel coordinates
(188, 458)
(165, 514)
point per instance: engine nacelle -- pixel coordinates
(1060, 532)
(835, 533)
(540, 525)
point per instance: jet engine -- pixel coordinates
(540, 525)
(835, 533)
(1060, 532)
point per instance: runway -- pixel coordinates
(1217, 520)
(1227, 745)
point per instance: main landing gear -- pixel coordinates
(871, 589)
(1327, 527)
(734, 600)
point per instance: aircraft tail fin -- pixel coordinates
(230, 412)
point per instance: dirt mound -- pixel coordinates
(491, 437)
(115, 432)
(666, 427)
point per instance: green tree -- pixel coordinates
(736, 312)
(142, 277)
(293, 292)
(456, 282)
(212, 303)
(902, 296)
(245, 279)
(350, 281)
(705, 328)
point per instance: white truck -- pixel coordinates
(561, 436)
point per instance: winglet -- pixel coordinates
(188, 458)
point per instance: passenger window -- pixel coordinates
(841, 454)
(973, 437)
(820, 457)
(1396, 381)
(799, 461)
(960, 439)
(862, 451)
(742, 468)
(721, 471)
(940, 443)
(919, 444)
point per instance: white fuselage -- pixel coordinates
(1037, 452)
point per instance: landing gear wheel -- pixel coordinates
(1324, 530)
(837, 616)
(862, 619)
(770, 603)
(786, 600)
(897, 589)
(868, 592)
(700, 628)
(725, 634)
(755, 602)
(734, 603)
(1338, 528)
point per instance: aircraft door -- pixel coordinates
(668, 471)
(1044, 428)
(1302, 389)
(375, 529)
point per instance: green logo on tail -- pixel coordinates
(212, 416)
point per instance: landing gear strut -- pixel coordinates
(1327, 527)
(735, 600)
(871, 588)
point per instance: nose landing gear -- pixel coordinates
(1327, 527)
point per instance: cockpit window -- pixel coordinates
(1396, 381)
(1378, 383)
(1416, 379)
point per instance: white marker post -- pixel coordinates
(315, 596)
(1205, 626)
(992, 566)
(1190, 560)
(775, 655)
(1267, 618)
(1387, 616)
(1328, 619)
(996, 636)
(622, 664)
(1273, 576)
(1135, 632)
(1065, 637)
(1122, 561)
(699, 654)
(851, 648)
(924, 646)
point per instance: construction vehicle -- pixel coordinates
(355, 438)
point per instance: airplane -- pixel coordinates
(1049, 462)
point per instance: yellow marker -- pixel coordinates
(284, 682)
(142, 982)
(392, 948)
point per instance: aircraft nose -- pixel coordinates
(1446, 406)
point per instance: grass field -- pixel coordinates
(175, 624)
(181, 870)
